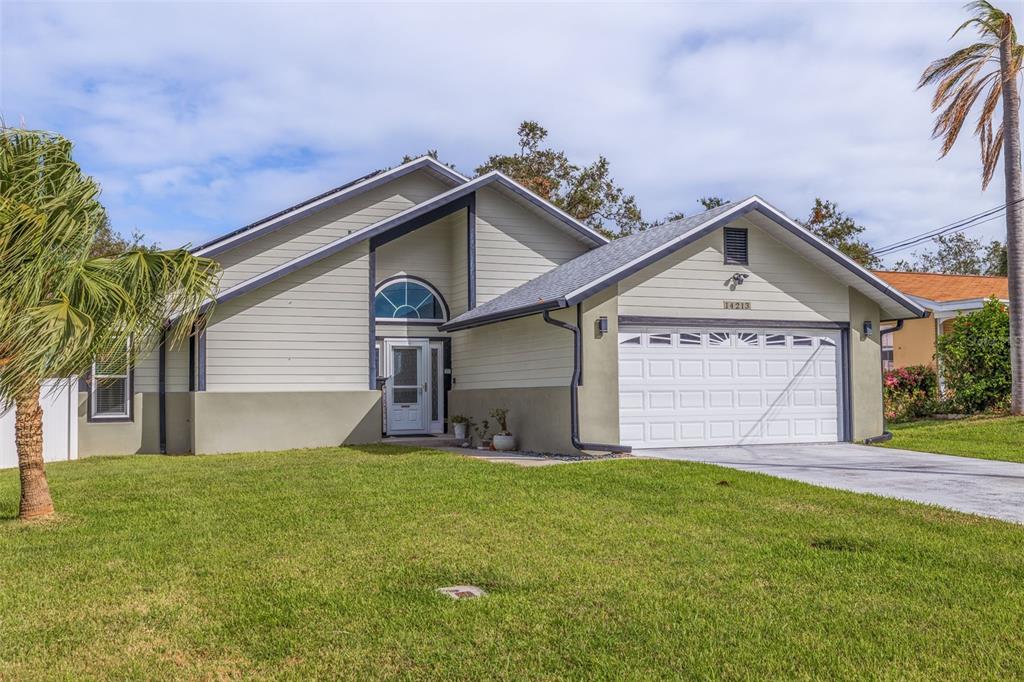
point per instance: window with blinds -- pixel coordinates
(111, 386)
(735, 245)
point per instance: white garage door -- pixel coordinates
(686, 387)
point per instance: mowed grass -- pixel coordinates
(984, 438)
(323, 563)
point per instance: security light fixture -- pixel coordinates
(737, 278)
(602, 325)
(868, 328)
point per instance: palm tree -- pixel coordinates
(960, 79)
(61, 308)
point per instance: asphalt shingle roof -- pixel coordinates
(941, 287)
(561, 281)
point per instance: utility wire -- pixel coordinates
(956, 226)
(950, 231)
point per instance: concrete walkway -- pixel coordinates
(976, 486)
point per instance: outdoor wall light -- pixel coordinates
(737, 278)
(602, 326)
(868, 327)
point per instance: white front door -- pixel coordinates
(684, 387)
(408, 386)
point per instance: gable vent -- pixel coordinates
(735, 245)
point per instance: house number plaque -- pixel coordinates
(736, 305)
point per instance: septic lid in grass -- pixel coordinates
(462, 591)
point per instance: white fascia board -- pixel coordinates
(423, 162)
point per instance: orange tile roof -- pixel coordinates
(940, 287)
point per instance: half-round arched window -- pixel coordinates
(409, 299)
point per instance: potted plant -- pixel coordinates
(483, 433)
(503, 439)
(461, 424)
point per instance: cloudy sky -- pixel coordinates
(200, 117)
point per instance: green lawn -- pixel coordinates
(1000, 438)
(324, 563)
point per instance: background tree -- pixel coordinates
(108, 242)
(60, 307)
(958, 254)
(960, 80)
(587, 193)
(841, 231)
(712, 202)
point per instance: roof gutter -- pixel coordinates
(542, 306)
(574, 409)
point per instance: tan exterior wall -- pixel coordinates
(865, 368)
(514, 245)
(142, 434)
(538, 417)
(250, 422)
(307, 331)
(693, 282)
(915, 343)
(259, 255)
(599, 394)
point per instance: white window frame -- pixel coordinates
(126, 414)
(415, 320)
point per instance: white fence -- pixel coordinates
(60, 424)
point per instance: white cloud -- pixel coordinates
(200, 117)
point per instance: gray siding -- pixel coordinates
(514, 245)
(306, 331)
(523, 353)
(693, 283)
(259, 255)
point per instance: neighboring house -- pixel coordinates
(944, 297)
(387, 305)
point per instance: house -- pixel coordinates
(387, 305)
(944, 297)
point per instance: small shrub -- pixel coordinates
(910, 392)
(975, 358)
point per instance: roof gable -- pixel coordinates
(427, 211)
(600, 268)
(329, 198)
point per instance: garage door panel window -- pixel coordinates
(802, 341)
(719, 339)
(748, 340)
(690, 339)
(659, 339)
(629, 339)
(775, 340)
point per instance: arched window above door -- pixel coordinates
(409, 299)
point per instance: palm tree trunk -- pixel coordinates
(28, 435)
(1014, 218)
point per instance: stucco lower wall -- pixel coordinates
(865, 368)
(599, 394)
(915, 343)
(142, 434)
(280, 420)
(538, 417)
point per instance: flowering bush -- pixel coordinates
(910, 392)
(975, 358)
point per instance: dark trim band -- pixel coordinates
(162, 387)
(372, 313)
(644, 321)
(471, 253)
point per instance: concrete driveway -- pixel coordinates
(976, 486)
